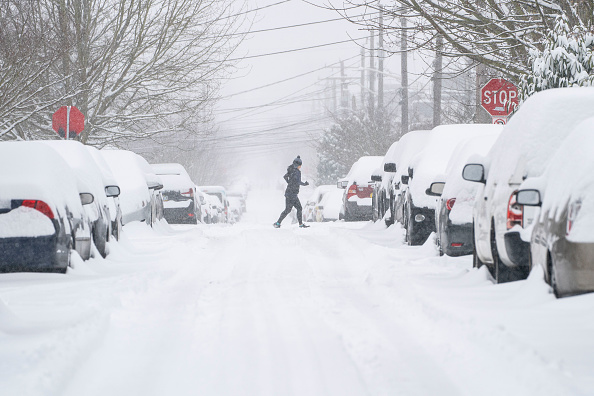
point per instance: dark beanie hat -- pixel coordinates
(297, 161)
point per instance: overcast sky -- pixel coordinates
(284, 131)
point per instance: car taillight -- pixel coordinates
(450, 203)
(38, 205)
(352, 190)
(574, 208)
(515, 212)
(189, 193)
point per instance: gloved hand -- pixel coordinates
(306, 184)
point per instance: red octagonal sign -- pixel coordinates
(68, 118)
(499, 97)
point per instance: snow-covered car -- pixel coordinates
(89, 179)
(453, 215)
(523, 150)
(112, 191)
(359, 189)
(235, 207)
(381, 189)
(41, 210)
(561, 238)
(218, 214)
(235, 197)
(221, 193)
(407, 148)
(206, 208)
(180, 204)
(329, 207)
(309, 209)
(140, 196)
(425, 168)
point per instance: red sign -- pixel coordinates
(68, 118)
(499, 97)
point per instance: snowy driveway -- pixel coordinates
(336, 309)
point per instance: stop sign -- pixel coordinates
(68, 118)
(499, 97)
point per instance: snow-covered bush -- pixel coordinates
(566, 61)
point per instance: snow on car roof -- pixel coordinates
(433, 160)
(406, 148)
(569, 177)
(174, 176)
(361, 170)
(86, 170)
(131, 177)
(108, 177)
(32, 170)
(534, 133)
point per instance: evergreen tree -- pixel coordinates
(566, 60)
(352, 136)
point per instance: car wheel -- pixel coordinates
(476, 261)
(552, 275)
(503, 273)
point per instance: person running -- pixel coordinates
(293, 179)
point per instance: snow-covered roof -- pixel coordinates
(432, 161)
(361, 170)
(32, 170)
(536, 131)
(174, 176)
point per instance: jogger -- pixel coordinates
(293, 179)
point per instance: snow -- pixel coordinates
(431, 163)
(563, 182)
(132, 179)
(31, 170)
(332, 203)
(463, 190)
(362, 169)
(25, 222)
(337, 309)
(174, 177)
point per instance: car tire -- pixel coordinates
(476, 261)
(503, 273)
(552, 276)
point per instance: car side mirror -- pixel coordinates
(474, 173)
(86, 198)
(404, 179)
(528, 197)
(155, 186)
(112, 191)
(410, 172)
(436, 189)
(390, 167)
(342, 184)
(376, 178)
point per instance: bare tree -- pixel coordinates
(137, 68)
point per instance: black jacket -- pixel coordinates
(293, 179)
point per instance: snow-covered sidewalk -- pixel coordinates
(336, 309)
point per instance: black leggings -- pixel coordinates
(291, 202)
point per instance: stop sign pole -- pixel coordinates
(499, 98)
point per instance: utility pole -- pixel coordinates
(344, 95)
(371, 71)
(334, 98)
(380, 77)
(404, 75)
(362, 78)
(437, 80)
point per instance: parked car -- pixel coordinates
(359, 189)
(221, 193)
(329, 207)
(309, 209)
(41, 210)
(238, 197)
(561, 238)
(112, 191)
(235, 208)
(89, 179)
(425, 167)
(453, 220)
(140, 195)
(407, 148)
(218, 209)
(180, 204)
(381, 189)
(206, 208)
(522, 151)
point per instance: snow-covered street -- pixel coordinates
(246, 309)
